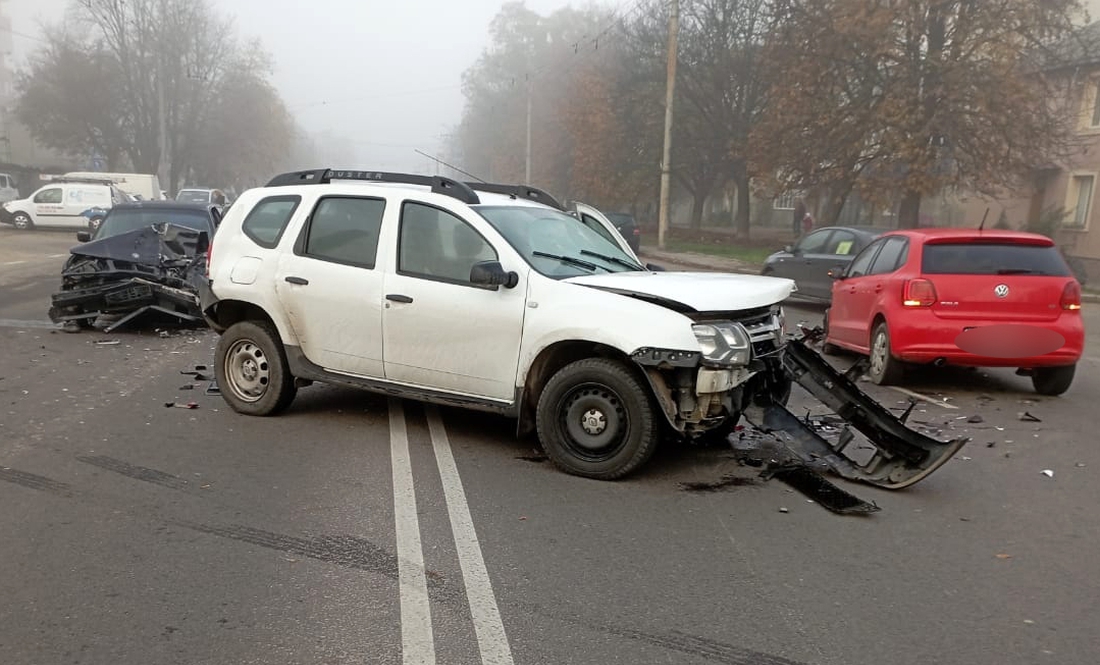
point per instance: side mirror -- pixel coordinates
(653, 267)
(837, 273)
(492, 274)
(83, 236)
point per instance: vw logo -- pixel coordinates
(1001, 290)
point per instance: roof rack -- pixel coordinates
(439, 184)
(519, 191)
(87, 181)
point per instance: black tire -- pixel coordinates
(1053, 381)
(827, 348)
(252, 370)
(623, 431)
(885, 369)
(22, 221)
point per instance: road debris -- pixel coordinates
(1004, 557)
(783, 509)
(1048, 473)
(108, 342)
(975, 419)
(1028, 418)
(187, 405)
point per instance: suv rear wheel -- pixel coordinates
(1053, 381)
(596, 419)
(252, 370)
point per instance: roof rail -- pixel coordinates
(87, 181)
(518, 191)
(439, 184)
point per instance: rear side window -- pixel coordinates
(266, 222)
(815, 243)
(345, 230)
(862, 263)
(969, 258)
(893, 255)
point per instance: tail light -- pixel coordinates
(1071, 296)
(637, 231)
(919, 293)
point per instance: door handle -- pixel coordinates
(300, 281)
(397, 297)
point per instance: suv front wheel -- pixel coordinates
(596, 419)
(252, 370)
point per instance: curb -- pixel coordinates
(680, 260)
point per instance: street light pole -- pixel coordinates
(527, 179)
(670, 96)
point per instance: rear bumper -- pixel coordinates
(926, 338)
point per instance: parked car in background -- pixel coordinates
(9, 191)
(628, 227)
(809, 260)
(962, 297)
(133, 216)
(603, 225)
(197, 195)
(141, 186)
(62, 204)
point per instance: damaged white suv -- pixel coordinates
(488, 297)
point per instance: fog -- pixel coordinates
(383, 75)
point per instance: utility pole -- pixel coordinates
(527, 179)
(165, 164)
(670, 96)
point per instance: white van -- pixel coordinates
(62, 204)
(139, 185)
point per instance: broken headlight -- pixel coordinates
(725, 343)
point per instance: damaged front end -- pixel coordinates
(155, 269)
(699, 396)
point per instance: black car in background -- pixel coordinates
(128, 217)
(809, 260)
(628, 227)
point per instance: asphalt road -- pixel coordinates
(136, 533)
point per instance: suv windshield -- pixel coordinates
(969, 258)
(556, 244)
(124, 220)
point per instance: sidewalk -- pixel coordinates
(695, 261)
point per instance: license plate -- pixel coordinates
(129, 294)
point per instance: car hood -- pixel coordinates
(151, 245)
(694, 291)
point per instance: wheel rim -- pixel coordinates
(880, 350)
(247, 371)
(594, 422)
(22, 222)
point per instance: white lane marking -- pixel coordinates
(56, 256)
(12, 263)
(491, 638)
(417, 642)
(1093, 359)
(924, 398)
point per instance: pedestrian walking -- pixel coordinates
(799, 213)
(807, 223)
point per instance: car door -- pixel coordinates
(837, 254)
(440, 331)
(331, 289)
(598, 222)
(801, 267)
(48, 205)
(852, 298)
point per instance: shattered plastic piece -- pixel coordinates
(816, 487)
(189, 386)
(1080, 465)
(108, 342)
(783, 510)
(1004, 556)
(975, 419)
(991, 444)
(1028, 418)
(1048, 473)
(189, 405)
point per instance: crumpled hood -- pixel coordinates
(151, 245)
(698, 291)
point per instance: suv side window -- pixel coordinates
(862, 263)
(815, 243)
(266, 222)
(893, 255)
(434, 244)
(344, 230)
(52, 195)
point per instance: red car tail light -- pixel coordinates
(919, 293)
(1071, 296)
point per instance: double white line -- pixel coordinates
(417, 641)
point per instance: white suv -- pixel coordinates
(495, 300)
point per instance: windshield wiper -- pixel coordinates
(1020, 271)
(568, 259)
(613, 259)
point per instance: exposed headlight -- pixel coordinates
(725, 343)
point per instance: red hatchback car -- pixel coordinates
(962, 297)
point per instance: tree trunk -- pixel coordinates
(837, 196)
(909, 211)
(743, 220)
(698, 201)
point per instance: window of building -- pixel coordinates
(1080, 201)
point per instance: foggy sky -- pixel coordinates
(384, 74)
